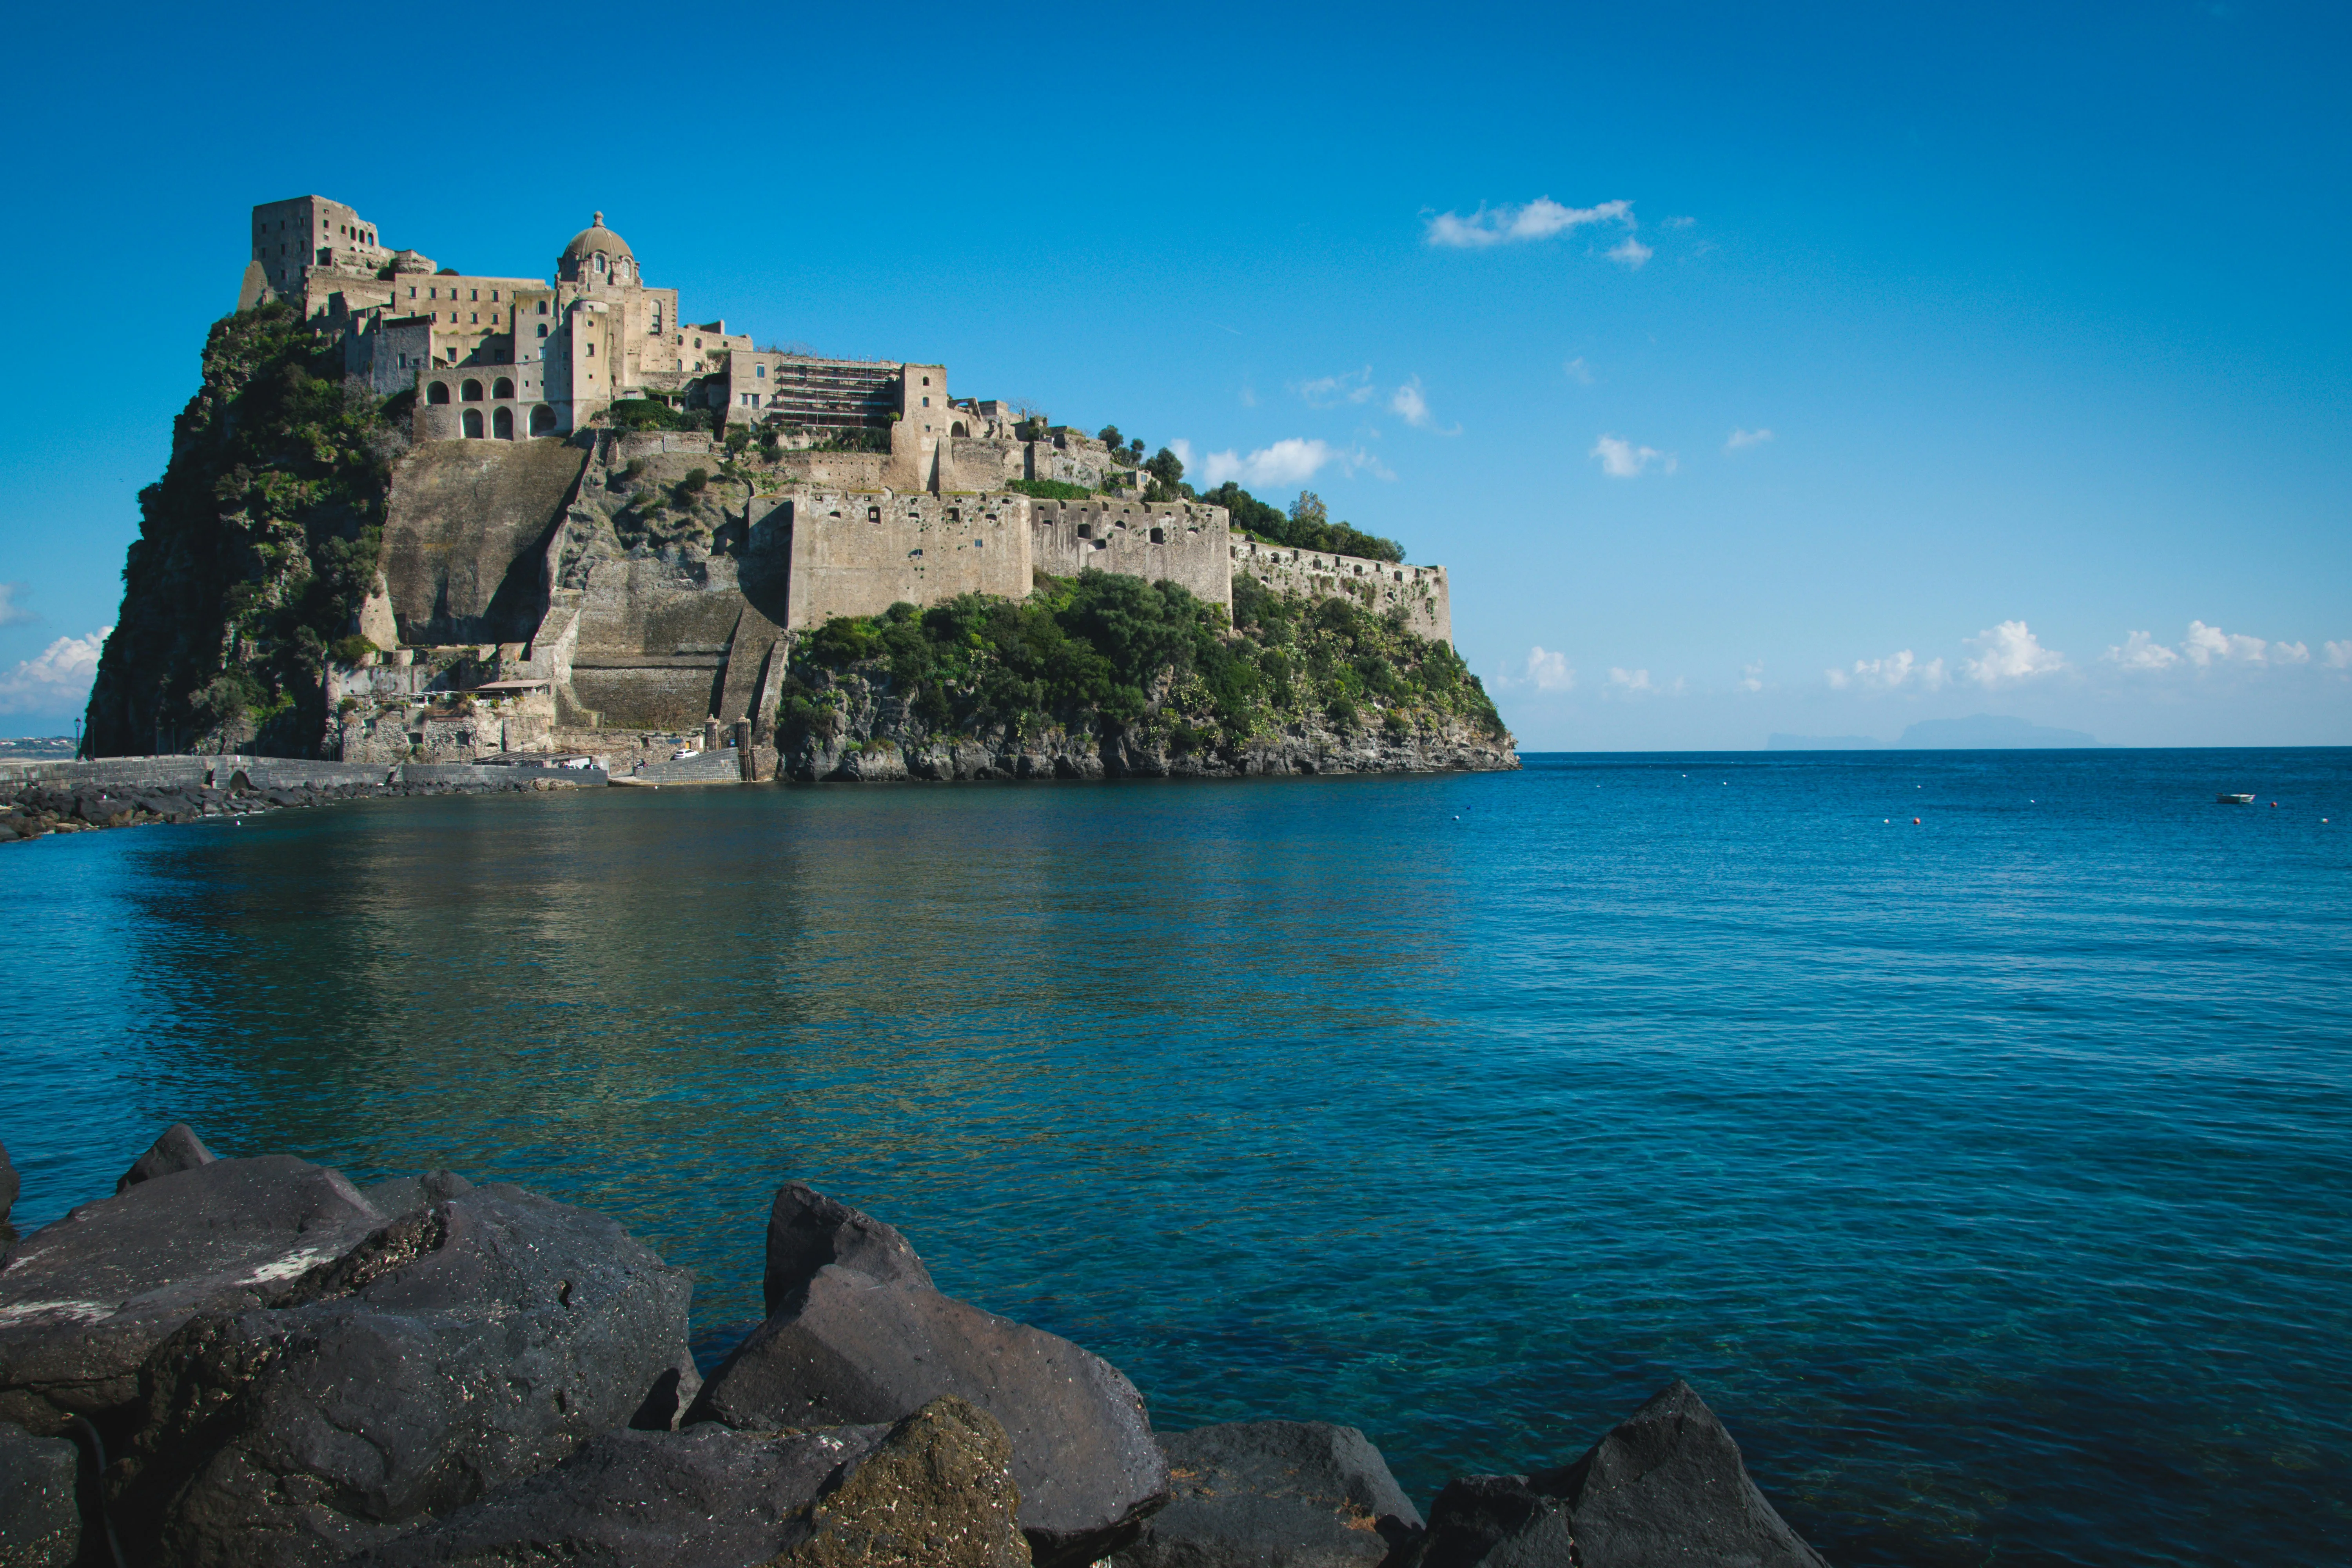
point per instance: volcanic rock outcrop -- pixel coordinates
(1666, 1486)
(843, 1346)
(1278, 1494)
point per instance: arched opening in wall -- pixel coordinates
(438, 392)
(470, 393)
(1159, 536)
(473, 423)
(959, 429)
(502, 424)
(542, 420)
(542, 329)
(502, 389)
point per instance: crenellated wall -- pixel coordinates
(1181, 541)
(1378, 585)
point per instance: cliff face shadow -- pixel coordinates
(465, 534)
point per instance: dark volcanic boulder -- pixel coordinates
(460, 1348)
(1277, 1494)
(83, 1301)
(405, 1194)
(936, 1489)
(844, 1348)
(1666, 1486)
(664, 1499)
(8, 1187)
(40, 1524)
(179, 1149)
(807, 1230)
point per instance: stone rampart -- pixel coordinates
(464, 533)
(857, 553)
(1182, 541)
(1377, 584)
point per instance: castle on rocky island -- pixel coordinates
(591, 573)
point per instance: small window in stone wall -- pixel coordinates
(955, 514)
(1159, 536)
(873, 514)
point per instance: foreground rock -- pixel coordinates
(466, 1345)
(841, 1347)
(1666, 1486)
(179, 1149)
(83, 1301)
(807, 1230)
(40, 1524)
(934, 1489)
(1278, 1494)
(7, 1200)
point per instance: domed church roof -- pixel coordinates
(596, 237)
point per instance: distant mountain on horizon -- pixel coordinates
(1988, 732)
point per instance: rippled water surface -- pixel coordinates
(1990, 1175)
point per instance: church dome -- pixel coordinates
(597, 255)
(596, 237)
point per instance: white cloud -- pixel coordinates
(1741, 440)
(1412, 405)
(1578, 372)
(2141, 651)
(2339, 655)
(1752, 676)
(1544, 671)
(1289, 462)
(59, 678)
(2205, 643)
(1629, 253)
(1333, 390)
(1892, 673)
(2290, 653)
(1631, 681)
(1540, 219)
(2009, 652)
(1678, 223)
(1183, 450)
(12, 612)
(1621, 460)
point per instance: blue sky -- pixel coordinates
(1752, 370)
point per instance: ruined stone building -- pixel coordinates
(593, 576)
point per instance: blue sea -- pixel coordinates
(1974, 1129)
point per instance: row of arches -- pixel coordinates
(502, 426)
(501, 389)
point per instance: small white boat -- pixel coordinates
(2233, 800)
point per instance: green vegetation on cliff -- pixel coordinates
(1112, 650)
(254, 551)
(1306, 526)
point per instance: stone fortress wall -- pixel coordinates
(1181, 541)
(544, 570)
(1378, 585)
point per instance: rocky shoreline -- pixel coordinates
(256, 1362)
(897, 747)
(37, 809)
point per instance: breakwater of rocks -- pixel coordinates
(41, 798)
(258, 1361)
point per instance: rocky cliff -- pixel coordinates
(255, 551)
(1103, 677)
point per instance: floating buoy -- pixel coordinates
(1915, 822)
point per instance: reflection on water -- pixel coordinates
(1990, 1175)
